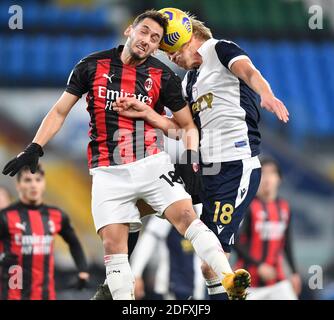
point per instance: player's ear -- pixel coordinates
(128, 30)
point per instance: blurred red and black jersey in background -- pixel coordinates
(27, 236)
(264, 237)
(115, 139)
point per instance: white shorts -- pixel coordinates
(116, 189)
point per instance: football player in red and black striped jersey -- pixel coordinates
(125, 156)
(265, 238)
(27, 231)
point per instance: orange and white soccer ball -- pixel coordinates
(179, 30)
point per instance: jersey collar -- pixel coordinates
(30, 206)
(204, 47)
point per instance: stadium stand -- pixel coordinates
(298, 63)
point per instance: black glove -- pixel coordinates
(188, 170)
(8, 259)
(29, 157)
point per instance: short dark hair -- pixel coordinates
(267, 160)
(158, 17)
(39, 170)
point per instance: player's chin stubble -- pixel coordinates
(134, 55)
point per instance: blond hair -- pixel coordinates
(199, 29)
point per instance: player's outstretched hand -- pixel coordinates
(29, 157)
(131, 107)
(274, 105)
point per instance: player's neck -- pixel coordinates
(31, 203)
(198, 58)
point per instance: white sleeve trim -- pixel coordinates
(236, 59)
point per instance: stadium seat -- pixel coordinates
(300, 73)
(15, 58)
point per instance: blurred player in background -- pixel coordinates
(265, 238)
(125, 157)
(178, 275)
(27, 231)
(5, 197)
(223, 89)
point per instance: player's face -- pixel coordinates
(143, 39)
(187, 56)
(270, 180)
(31, 187)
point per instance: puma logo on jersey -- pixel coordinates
(21, 226)
(108, 77)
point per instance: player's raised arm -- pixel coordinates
(245, 70)
(53, 121)
(55, 118)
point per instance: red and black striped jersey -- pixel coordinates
(27, 233)
(264, 237)
(115, 139)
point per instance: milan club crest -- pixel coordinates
(148, 84)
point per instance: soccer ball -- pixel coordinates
(179, 30)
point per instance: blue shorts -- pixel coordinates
(226, 196)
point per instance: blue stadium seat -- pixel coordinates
(36, 57)
(59, 55)
(312, 74)
(300, 73)
(15, 58)
(72, 18)
(4, 65)
(50, 16)
(97, 18)
(32, 15)
(4, 16)
(326, 54)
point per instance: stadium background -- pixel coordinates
(298, 62)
